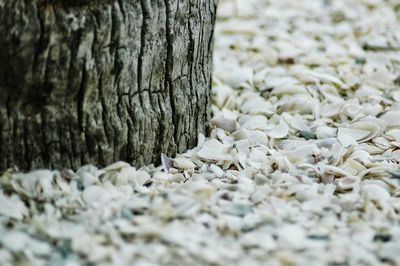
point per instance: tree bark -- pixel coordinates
(96, 81)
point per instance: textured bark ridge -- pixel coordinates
(102, 80)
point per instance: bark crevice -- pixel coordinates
(168, 64)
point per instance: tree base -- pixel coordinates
(101, 81)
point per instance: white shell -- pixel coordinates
(226, 120)
(88, 175)
(183, 163)
(239, 76)
(116, 166)
(139, 178)
(279, 131)
(254, 122)
(258, 196)
(214, 150)
(257, 105)
(375, 192)
(390, 251)
(392, 118)
(12, 207)
(324, 132)
(291, 236)
(289, 90)
(14, 241)
(217, 170)
(296, 122)
(347, 136)
(95, 196)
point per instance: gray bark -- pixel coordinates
(102, 80)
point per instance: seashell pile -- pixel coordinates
(301, 166)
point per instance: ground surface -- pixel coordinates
(301, 168)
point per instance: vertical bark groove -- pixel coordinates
(168, 63)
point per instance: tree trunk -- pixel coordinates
(96, 81)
